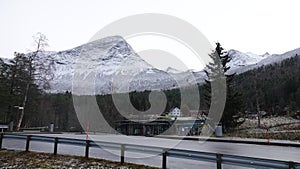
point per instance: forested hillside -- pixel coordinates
(276, 86)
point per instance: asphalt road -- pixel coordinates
(249, 150)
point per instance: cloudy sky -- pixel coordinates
(257, 26)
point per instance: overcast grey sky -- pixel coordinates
(258, 26)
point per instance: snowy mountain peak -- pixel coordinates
(266, 55)
(242, 59)
(105, 58)
(114, 67)
(104, 49)
(172, 70)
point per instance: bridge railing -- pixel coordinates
(217, 158)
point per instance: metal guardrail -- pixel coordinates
(219, 159)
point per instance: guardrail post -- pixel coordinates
(1, 139)
(27, 143)
(87, 148)
(164, 159)
(291, 165)
(219, 161)
(122, 153)
(55, 145)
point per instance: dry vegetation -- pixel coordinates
(31, 160)
(282, 128)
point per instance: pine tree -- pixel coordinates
(4, 92)
(215, 69)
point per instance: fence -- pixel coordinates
(219, 159)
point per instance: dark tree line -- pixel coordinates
(278, 87)
(14, 84)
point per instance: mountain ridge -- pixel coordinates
(112, 60)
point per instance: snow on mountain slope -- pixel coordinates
(110, 65)
(118, 68)
(260, 60)
(103, 57)
(279, 57)
(242, 59)
(6, 60)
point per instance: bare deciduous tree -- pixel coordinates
(40, 67)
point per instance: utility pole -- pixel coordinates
(257, 102)
(258, 110)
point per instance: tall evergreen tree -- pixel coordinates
(217, 67)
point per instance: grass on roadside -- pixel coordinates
(20, 159)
